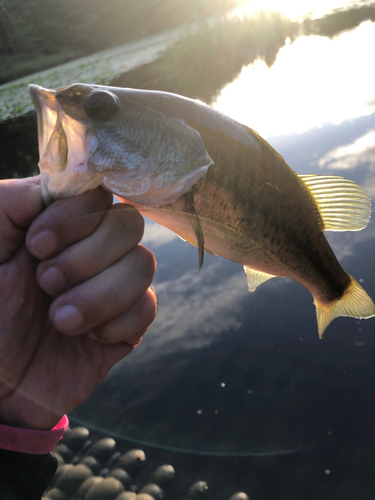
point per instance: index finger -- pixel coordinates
(67, 221)
(20, 204)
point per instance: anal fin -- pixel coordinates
(255, 278)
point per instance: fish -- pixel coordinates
(213, 181)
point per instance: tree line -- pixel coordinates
(47, 27)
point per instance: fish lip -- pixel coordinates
(34, 91)
(56, 182)
(42, 99)
(34, 94)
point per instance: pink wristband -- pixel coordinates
(30, 440)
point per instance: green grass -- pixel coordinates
(100, 68)
(198, 65)
(13, 67)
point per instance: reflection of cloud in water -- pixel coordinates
(156, 235)
(343, 244)
(196, 307)
(369, 186)
(313, 81)
(360, 151)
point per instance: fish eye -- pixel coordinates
(101, 105)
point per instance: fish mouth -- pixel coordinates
(64, 146)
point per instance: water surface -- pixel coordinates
(227, 373)
(236, 386)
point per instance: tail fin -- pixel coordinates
(355, 303)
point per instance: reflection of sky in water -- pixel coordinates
(283, 388)
(313, 81)
(347, 157)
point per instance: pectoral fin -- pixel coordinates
(193, 242)
(197, 228)
(255, 278)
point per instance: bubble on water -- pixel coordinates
(222, 384)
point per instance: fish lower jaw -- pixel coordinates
(67, 184)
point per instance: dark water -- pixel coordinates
(236, 388)
(237, 378)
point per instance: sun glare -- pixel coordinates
(313, 81)
(295, 8)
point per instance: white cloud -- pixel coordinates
(360, 151)
(314, 80)
(156, 235)
(196, 307)
(343, 243)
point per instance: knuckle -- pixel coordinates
(148, 263)
(137, 221)
(130, 220)
(112, 299)
(75, 270)
(146, 307)
(101, 194)
(100, 335)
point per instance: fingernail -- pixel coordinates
(68, 319)
(43, 244)
(52, 281)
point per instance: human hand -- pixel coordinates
(74, 298)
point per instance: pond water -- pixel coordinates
(225, 373)
(237, 386)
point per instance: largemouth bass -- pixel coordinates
(213, 181)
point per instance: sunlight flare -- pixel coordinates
(314, 80)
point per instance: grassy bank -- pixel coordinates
(52, 30)
(13, 67)
(100, 68)
(202, 61)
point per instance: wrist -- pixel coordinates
(20, 411)
(33, 441)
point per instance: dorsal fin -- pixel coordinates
(343, 205)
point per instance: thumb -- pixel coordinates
(20, 204)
